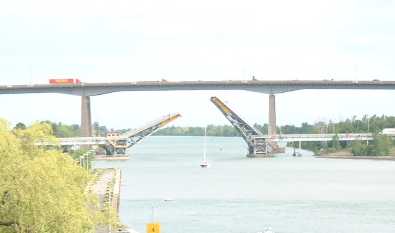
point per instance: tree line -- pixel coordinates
(381, 145)
(62, 130)
(372, 124)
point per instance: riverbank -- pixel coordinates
(346, 154)
(355, 157)
(104, 157)
(107, 187)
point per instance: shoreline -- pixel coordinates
(107, 187)
(104, 157)
(389, 157)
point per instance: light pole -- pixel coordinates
(368, 124)
(81, 161)
(367, 141)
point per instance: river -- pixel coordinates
(242, 195)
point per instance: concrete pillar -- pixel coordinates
(272, 130)
(86, 118)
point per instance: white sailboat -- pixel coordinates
(204, 163)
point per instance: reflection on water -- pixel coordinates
(240, 195)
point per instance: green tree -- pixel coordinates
(20, 125)
(41, 191)
(335, 143)
(358, 149)
(381, 145)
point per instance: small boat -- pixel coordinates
(204, 163)
(267, 230)
(298, 154)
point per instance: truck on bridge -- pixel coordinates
(57, 81)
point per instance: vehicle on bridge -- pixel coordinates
(60, 81)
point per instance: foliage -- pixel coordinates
(335, 143)
(20, 125)
(212, 130)
(83, 154)
(374, 124)
(62, 130)
(359, 149)
(380, 146)
(41, 191)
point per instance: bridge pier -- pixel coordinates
(86, 117)
(272, 129)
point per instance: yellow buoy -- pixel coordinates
(153, 228)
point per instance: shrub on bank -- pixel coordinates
(380, 146)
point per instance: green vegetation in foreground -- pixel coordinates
(41, 190)
(84, 156)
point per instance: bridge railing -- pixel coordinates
(76, 141)
(319, 137)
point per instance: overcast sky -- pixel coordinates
(129, 40)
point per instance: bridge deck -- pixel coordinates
(266, 86)
(320, 137)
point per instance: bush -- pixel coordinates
(380, 146)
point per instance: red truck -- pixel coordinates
(65, 81)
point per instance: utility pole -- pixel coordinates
(368, 124)
(367, 141)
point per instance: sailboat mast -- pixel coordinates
(205, 144)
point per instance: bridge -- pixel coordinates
(116, 143)
(263, 86)
(320, 137)
(80, 141)
(271, 87)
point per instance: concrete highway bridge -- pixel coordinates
(271, 87)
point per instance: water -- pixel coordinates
(241, 195)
